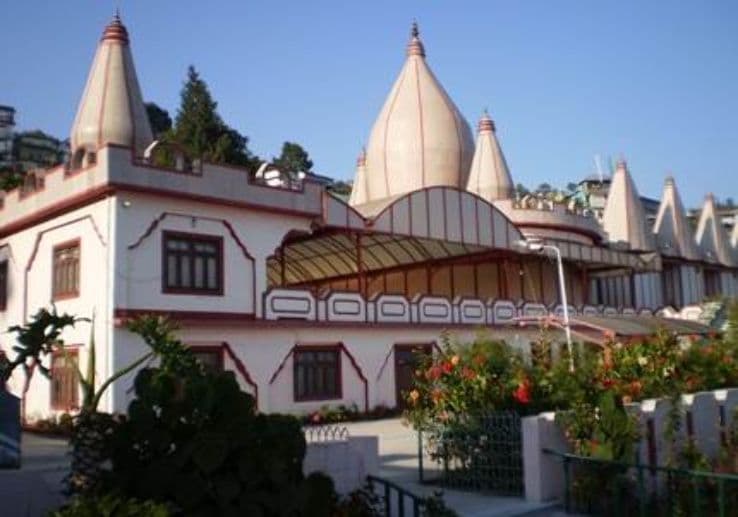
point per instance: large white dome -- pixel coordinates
(420, 139)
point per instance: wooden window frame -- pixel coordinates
(4, 284)
(65, 405)
(220, 263)
(67, 295)
(211, 349)
(300, 349)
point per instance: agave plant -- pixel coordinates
(91, 426)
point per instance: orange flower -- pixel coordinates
(607, 361)
(468, 373)
(414, 396)
(437, 395)
(455, 360)
(479, 359)
(635, 388)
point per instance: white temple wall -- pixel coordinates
(265, 353)
(142, 219)
(30, 269)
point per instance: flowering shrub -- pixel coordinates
(465, 380)
(486, 376)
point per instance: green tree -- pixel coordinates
(293, 159)
(201, 131)
(159, 120)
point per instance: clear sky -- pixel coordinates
(653, 81)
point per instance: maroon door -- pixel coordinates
(407, 360)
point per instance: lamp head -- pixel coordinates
(535, 245)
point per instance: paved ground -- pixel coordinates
(35, 488)
(398, 450)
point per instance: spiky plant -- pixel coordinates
(92, 427)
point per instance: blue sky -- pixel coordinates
(655, 82)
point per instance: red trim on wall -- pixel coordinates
(39, 237)
(122, 315)
(73, 203)
(342, 348)
(212, 200)
(242, 370)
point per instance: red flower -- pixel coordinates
(607, 383)
(447, 367)
(522, 393)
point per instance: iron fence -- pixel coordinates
(610, 488)
(477, 452)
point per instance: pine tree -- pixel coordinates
(293, 159)
(201, 131)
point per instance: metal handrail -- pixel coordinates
(402, 493)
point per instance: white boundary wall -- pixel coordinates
(705, 415)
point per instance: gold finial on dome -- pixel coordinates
(415, 47)
(485, 122)
(115, 30)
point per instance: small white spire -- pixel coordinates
(358, 190)
(710, 235)
(624, 218)
(671, 228)
(489, 175)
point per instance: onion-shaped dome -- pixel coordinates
(420, 138)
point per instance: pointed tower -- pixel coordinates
(489, 176)
(673, 234)
(711, 237)
(358, 192)
(111, 110)
(420, 139)
(624, 218)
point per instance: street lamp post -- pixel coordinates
(540, 247)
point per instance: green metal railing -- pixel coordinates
(601, 487)
(481, 453)
(396, 500)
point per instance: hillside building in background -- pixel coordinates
(311, 300)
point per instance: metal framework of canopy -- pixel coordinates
(428, 226)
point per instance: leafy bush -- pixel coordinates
(110, 505)
(194, 440)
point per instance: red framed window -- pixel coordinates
(211, 357)
(3, 285)
(317, 373)
(192, 263)
(65, 277)
(64, 380)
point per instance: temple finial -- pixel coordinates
(415, 47)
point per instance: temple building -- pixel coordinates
(313, 301)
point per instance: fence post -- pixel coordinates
(420, 456)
